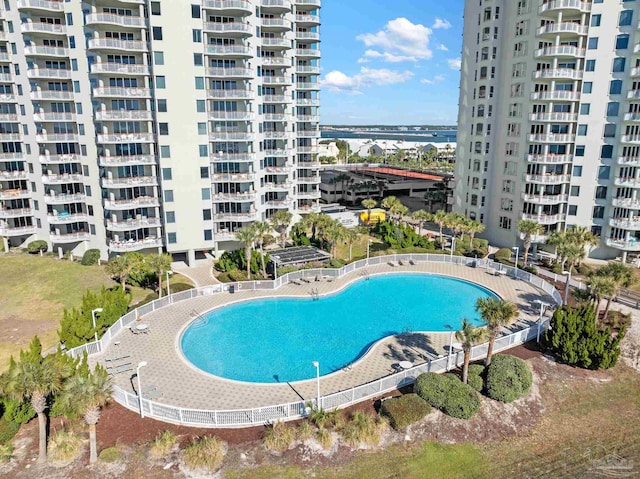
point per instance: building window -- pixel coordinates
(165, 151)
(592, 43)
(595, 20)
(604, 172)
(615, 87)
(577, 170)
(158, 58)
(206, 193)
(505, 223)
(585, 108)
(204, 172)
(573, 210)
(626, 17)
(168, 196)
(587, 87)
(203, 151)
(196, 35)
(598, 212)
(171, 216)
(582, 130)
(208, 235)
(172, 238)
(161, 82)
(590, 65)
(613, 108)
(155, 8)
(157, 33)
(206, 215)
(622, 42)
(601, 192)
(575, 191)
(610, 130)
(195, 11)
(166, 174)
(606, 152)
(199, 83)
(162, 106)
(197, 59)
(163, 128)
(201, 106)
(619, 64)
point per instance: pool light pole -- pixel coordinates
(566, 288)
(141, 364)
(453, 245)
(316, 364)
(168, 286)
(517, 250)
(542, 306)
(93, 322)
(450, 328)
(369, 241)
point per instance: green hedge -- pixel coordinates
(90, 257)
(449, 394)
(503, 254)
(404, 410)
(508, 378)
(8, 429)
(476, 377)
(37, 246)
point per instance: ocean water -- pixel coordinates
(276, 340)
(441, 136)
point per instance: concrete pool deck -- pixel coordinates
(182, 385)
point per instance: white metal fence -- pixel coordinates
(295, 410)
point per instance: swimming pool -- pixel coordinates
(276, 339)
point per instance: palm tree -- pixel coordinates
(34, 380)
(119, 268)
(247, 236)
(280, 221)
(160, 263)
(310, 221)
(399, 211)
(86, 394)
(599, 288)
(421, 216)
(350, 236)
(342, 178)
(262, 229)
(622, 277)
(334, 233)
(440, 218)
(435, 196)
(529, 230)
(473, 228)
(495, 314)
(469, 335)
(369, 204)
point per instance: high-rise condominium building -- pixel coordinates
(133, 125)
(549, 121)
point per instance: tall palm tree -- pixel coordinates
(495, 314)
(440, 218)
(399, 211)
(280, 221)
(622, 277)
(473, 228)
(247, 236)
(159, 263)
(335, 232)
(350, 236)
(342, 178)
(36, 381)
(421, 216)
(529, 230)
(599, 288)
(119, 268)
(86, 394)
(469, 335)
(310, 222)
(262, 229)
(369, 204)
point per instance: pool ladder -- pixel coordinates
(199, 319)
(365, 274)
(315, 295)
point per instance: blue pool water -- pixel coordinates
(276, 340)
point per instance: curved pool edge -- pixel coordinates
(343, 370)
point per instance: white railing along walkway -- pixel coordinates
(296, 410)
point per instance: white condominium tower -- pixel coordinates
(133, 125)
(549, 121)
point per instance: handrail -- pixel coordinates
(340, 399)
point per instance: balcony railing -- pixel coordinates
(233, 177)
(248, 196)
(37, 27)
(126, 138)
(122, 92)
(544, 219)
(231, 50)
(625, 245)
(51, 95)
(116, 44)
(239, 217)
(121, 68)
(127, 160)
(14, 194)
(312, 19)
(41, 5)
(48, 73)
(40, 50)
(554, 5)
(543, 199)
(552, 138)
(229, 72)
(121, 20)
(231, 27)
(126, 204)
(550, 159)
(117, 115)
(56, 137)
(231, 136)
(129, 181)
(243, 94)
(232, 157)
(133, 224)
(17, 230)
(65, 218)
(548, 179)
(240, 5)
(56, 179)
(307, 52)
(632, 223)
(61, 198)
(132, 245)
(627, 182)
(13, 175)
(62, 238)
(15, 212)
(59, 159)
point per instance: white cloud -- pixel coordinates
(455, 63)
(441, 23)
(436, 79)
(399, 41)
(443, 48)
(338, 81)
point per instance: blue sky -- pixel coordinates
(390, 61)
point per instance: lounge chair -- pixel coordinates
(305, 280)
(117, 357)
(400, 263)
(412, 263)
(318, 278)
(134, 330)
(120, 369)
(392, 264)
(296, 282)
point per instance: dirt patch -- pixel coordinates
(15, 330)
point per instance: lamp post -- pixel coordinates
(316, 364)
(450, 328)
(368, 248)
(453, 245)
(517, 250)
(168, 286)
(141, 364)
(93, 322)
(542, 306)
(566, 288)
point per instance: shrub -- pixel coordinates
(286, 269)
(556, 268)
(279, 436)
(503, 254)
(6, 452)
(400, 236)
(232, 276)
(508, 378)
(38, 246)
(323, 436)
(19, 412)
(577, 340)
(531, 269)
(405, 410)
(476, 377)
(8, 429)
(206, 453)
(64, 446)
(304, 430)
(234, 260)
(449, 394)
(363, 428)
(109, 454)
(90, 257)
(162, 444)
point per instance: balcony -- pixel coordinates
(626, 223)
(59, 159)
(634, 139)
(552, 138)
(62, 198)
(10, 137)
(120, 68)
(308, 19)
(47, 116)
(49, 6)
(555, 5)
(308, 3)
(237, 94)
(238, 217)
(276, 99)
(51, 95)
(278, 117)
(625, 245)
(132, 203)
(229, 50)
(283, 186)
(629, 160)
(48, 73)
(10, 231)
(565, 51)
(131, 92)
(127, 160)
(309, 180)
(277, 61)
(129, 182)
(548, 179)
(279, 204)
(133, 224)
(13, 175)
(231, 136)
(232, 157)
(543, 199)
(627, 182)
(231, 115)
(112, 19)
(48, 28)
(563, 27)
(307, 86)
(307, 36)
(229, 72)
(307, 70)
(7, 98)
(307, 52)
(65, 238)
(242, 197)
(116, 138)
(132, 245)
(275, 24)
(57, 179)
(115, 44)
(284, 5)
(311, 195)
(279, 170)
(6, 77)
(4, 57)
(117, 115)
(307, 102)
(44, 51)
(9, 117)
(554, 117)
(233, 177)
(308, 133)
(224, 236)
(66, 218)
(550, 159)
(633, 94)
(278, 153)
(280, 43)
(308, 149)
(544, 219)
(231, 27)
(56, 137)
(15, 212)
(229, 6)
(276, 80)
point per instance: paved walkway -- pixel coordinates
(183, 385)
(201, 274)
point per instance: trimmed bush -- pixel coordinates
(205, 453)
(279, 436)
(64, 446)
(109, 454)
(38, 246)
(6, 452)
(476, 377)
(232, 276)
(508, 378)
(503, 254)
(405, 410)
(8, 429)
(363, 428)
(162, 444)
(448, 394)
(90, 257)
